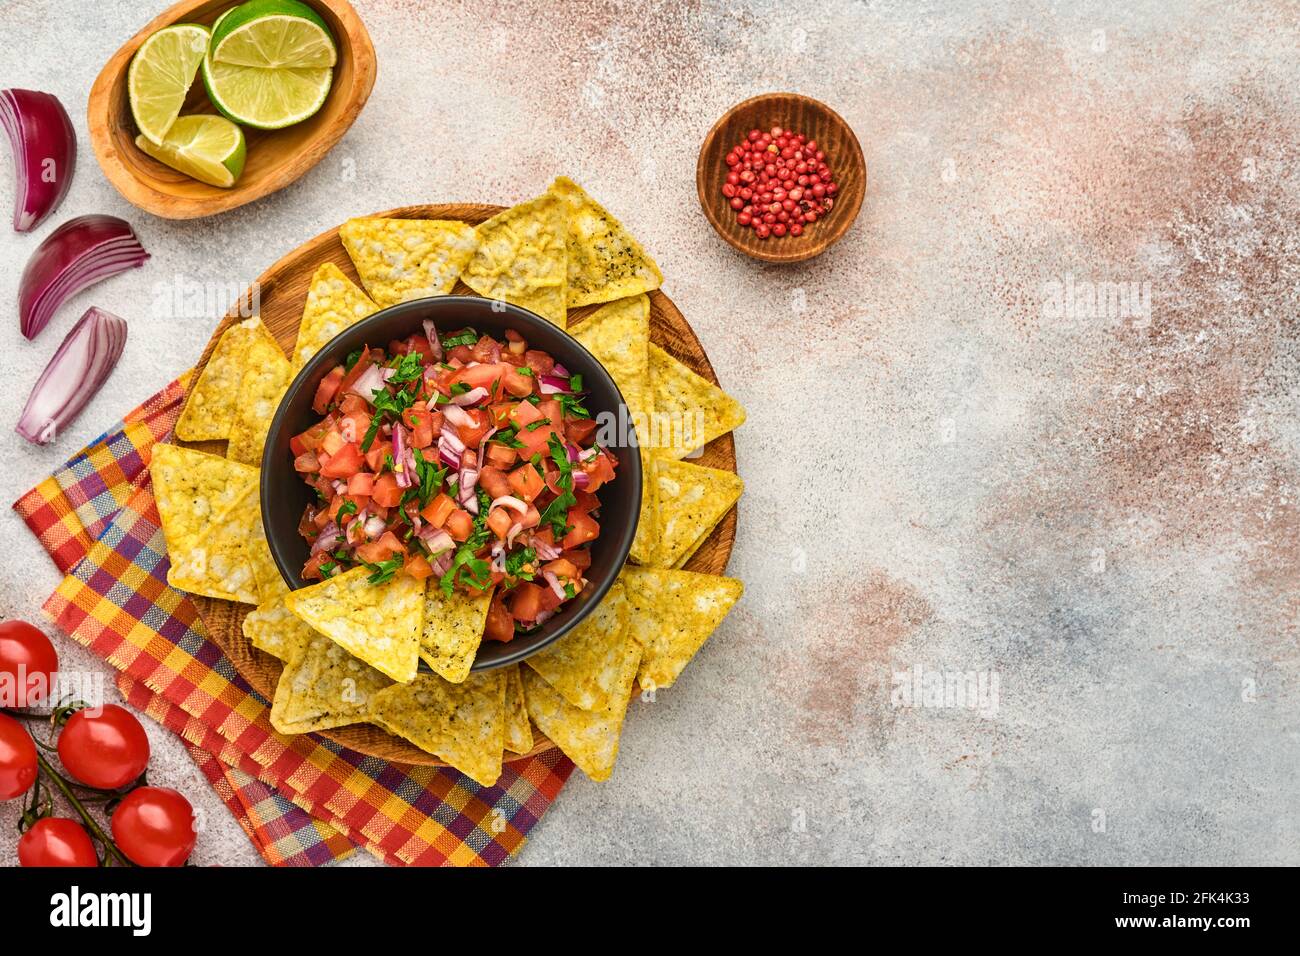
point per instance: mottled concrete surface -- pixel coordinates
(960, 474)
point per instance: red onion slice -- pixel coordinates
(326, 539)
(554, 385)
(79, 253)
(473, 396)
(555, 584)
(80, 366)
(399, 456)
(457, 416)
(45, 153)
(435, 343)
(367, 383)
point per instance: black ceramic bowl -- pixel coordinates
(284, 494)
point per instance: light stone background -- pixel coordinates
(941, 471)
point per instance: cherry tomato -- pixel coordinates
(154, 826)
(17, 759)
(28, 664)
(56, 841)
(106, 749)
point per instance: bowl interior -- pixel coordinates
(284, 495)
(300, 145)
(804, 115)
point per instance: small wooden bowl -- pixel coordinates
(803, 115)
(275, 157)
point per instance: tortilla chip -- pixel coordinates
(672, 615)
(689, 411)
(267, 374)
(464, 724)
(453, 630)
(605, 262)
(271, 627)
(270, 585)
(521, 258)
(586, 665)
(209, 409)
(588, 737)
(379, 623)
(323, 686)
(518, 731)
(207, 509)
(401, 259)
(618, 335)
(692, 500)
(333, 303)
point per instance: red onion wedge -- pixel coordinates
(79, 253)
(554, 385)
(472, 397)
(80, 366)
(45, 153)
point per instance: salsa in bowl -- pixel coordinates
(457, 440)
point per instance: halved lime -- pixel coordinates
(273, 34)
(160, 75)
(209, 148)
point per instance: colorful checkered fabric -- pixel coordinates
(303, 800)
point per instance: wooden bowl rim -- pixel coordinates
(466, 212)
(143, 195)
(712, 205)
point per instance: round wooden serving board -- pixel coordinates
(283, 292)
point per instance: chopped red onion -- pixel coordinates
(368, 383)
(554, 385)
(513, 533)
(326, 539)
(581, 479)
(560, 370)
(452, 439)
(543, 617)
(456, 415)
(482, 447)
(374, 527)
(555, 584)
(465, 496)
(399, 456)
(79, 367)
(509, 501)
(442, 564)
(45, 153)
(472, 397)
(436, 540)
(435, 342)
(545, 552)
(79, 253)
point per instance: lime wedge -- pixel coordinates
(160, 75)
(209, 148)
(274, 35)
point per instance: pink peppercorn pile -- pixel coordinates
(778, 182)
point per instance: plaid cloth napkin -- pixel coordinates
(302, 800)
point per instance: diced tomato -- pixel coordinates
(364, 362)
(310, 439)
(307, 526)
(385, 491)
(297, 447)
(354, 425)
(486, 349)
(537, 441)
(359, 502)
(540, 362)
(331, 442)
(494, 481)
(599, 470)
(550, 600)
(524, 414)
(562, 568)
(417, 565)
(361, 483)
(500, 521)
(532, 518)
(326, 514)
(580, 559)
(344, 463)
(327, 389)
(526, 483)
(307, 462)
(376, 455)
(518, 384)
(585, 501)
(500, 626)
(418, 343)
(526, 601)
(483, 376)
(480, 425)
(460, 524)
(580, 431)
(311, 570)
(352, 403)
(458, 355)
(419, 420)
(437, 510)
(544, 538)
(500, 412)
(552, 409)
(499, 455)
(583, 529)
(372, 552)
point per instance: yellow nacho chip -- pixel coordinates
(267, 374)
(378, 623)
(522, 258)
(323, 686)
(207, 508)
(266, 575)
(690, 411)
(672, 615)
(210, 407)
(618, 335)
(272, 628)
(586, 665)
(588, 737)
(453, 630)
(333, 303)
(401, 259)
(464, 724)
(518, 731)
(605, 262)
(692, 500)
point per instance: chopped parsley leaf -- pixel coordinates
(468, 337)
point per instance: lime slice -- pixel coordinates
(160, 75)
(209, 148)
(274, 35)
